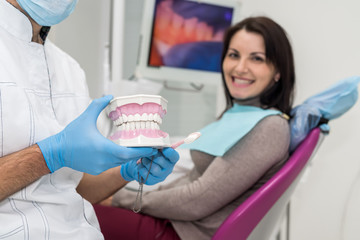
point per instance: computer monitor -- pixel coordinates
(181, 40)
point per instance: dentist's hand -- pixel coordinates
(162, 165)
(82, 147)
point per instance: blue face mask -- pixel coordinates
(48, 12)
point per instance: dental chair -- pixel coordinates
(257, 217)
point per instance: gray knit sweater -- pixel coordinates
(199, 202)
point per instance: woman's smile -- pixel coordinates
(242, 82)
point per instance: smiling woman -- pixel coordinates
(258, 65)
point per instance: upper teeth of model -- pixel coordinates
(137, 121)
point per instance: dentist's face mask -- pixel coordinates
(48, 12)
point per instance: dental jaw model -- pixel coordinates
(137, 119)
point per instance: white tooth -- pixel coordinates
(121, 120)
(144, 117)
(137, 124)
(158, 118)
(125, 118)
(147, 124)
(117, 122)
(132, 125)
(127, 126)
(152, 125)
(142, 125)
(151, 117)
(157, 126)
(131, 118)
(137, 117)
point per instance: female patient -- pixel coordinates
(251, 145)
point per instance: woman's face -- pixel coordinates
(246, 71)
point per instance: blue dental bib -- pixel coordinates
(218, 137)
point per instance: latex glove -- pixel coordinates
(82, 147)
(162, 165)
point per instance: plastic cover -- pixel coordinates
(318, 109)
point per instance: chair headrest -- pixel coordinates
(322, 107)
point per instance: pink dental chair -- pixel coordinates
(257, 217)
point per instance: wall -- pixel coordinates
(84, 35)
(325, 38)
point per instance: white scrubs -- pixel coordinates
(41, 90)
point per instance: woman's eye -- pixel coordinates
(233, 55)
(258, 59)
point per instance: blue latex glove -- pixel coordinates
(162, 165)
(82, 147)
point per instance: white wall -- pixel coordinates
(84, 35)
(325, 36)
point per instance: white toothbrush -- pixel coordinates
(189, 139)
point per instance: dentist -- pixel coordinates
(54, 162)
